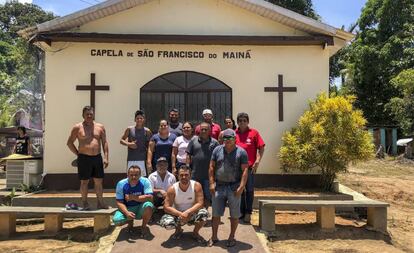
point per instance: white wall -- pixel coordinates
(303, 67)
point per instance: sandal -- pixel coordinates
(211, 242)
(230, 243)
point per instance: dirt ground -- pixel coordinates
(389, 180)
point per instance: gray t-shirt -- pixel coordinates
(200, 153)
(228, 167)
(176, 129)
(141, 137)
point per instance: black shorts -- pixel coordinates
(90, 166)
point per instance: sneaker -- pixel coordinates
(246, 218)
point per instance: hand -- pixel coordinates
(132, 145)
(212, 189)
(128, 197)
(105, 163)
(239, 191)
(164, 193)
(255, 166)
(184, 217)
(130, 215)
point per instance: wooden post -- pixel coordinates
(53, 223)
(101, 222)
(325, 217)
(267, 218)
(377, 218)
(7, 224)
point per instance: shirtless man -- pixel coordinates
(91, 136)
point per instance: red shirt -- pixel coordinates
(251, 141)
(215, 130)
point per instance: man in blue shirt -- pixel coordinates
(134, 200)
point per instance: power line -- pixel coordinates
(86, 2)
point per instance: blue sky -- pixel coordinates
(333, 12)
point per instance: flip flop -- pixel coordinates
(211, 242)
(230, 243)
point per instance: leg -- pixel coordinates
(234, 206)
(249, 195)
(326, 217)
(101, 223)
(234, 222)
(199, 220)
(7, 224)
(53, 223)
(84, 193)
(99, 193)
(144, 212)
(243, 205)
(215, 225)
(267, 218)
(377, 218)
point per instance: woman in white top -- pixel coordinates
(179, 154)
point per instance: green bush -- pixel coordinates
(329, 136)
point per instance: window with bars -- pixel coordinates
(190, 92)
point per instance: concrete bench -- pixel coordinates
(325, 212)
(53, 217)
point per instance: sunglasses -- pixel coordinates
(227, 138)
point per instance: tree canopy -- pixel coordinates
(304, 7)
(20, 62)
(383, 48)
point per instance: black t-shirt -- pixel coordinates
(22, 144)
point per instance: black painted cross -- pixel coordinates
(92, 88)
(280, 89)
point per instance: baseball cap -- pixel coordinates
(207, 111)
(162, 159)
(229, 133)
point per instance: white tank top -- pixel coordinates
(184, 200)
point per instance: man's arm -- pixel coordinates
(124, 140)
(199, 199)
(211, 176)
(122, 207)
(174, 159)
(258, 159)
(150, 152)
(245, 168)
(105, 147)
(72, 137)
(169, 202)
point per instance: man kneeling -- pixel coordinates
(184, 205)
(134, 200)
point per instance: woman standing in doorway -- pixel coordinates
(160, 145)
(179, 154)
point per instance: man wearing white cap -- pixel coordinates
(208, 118)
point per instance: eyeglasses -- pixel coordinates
(228, 138)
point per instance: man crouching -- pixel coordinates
(184, 205)
(134, 200)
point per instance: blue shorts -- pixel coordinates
(120, 218)
(225, 193)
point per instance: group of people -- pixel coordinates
(213, 168)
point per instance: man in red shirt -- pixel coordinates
(215, 128)
(249, 139)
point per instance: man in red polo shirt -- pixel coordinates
(215, 128)
(249, 139)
